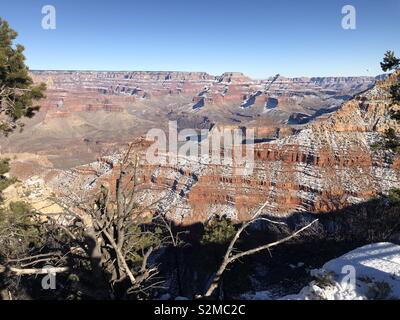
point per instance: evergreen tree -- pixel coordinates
(17, 91)
(5, 181)
(17, 100)
(395, 93)
(392, 140)
(390, 62)
(219, 230)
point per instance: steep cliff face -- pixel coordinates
(326, 166)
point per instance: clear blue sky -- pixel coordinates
(257, 37)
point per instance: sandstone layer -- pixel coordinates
(327, 165)
(88, 114)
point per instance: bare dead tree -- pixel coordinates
(112, 232)
(176, 242)
(32, 271)
(108, 228)
(232, 254)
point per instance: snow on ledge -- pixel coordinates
(377, 275)
(368, 272)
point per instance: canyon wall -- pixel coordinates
(87, 114)
(327, 165)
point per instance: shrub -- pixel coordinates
(379, 291)
(219, 230)
(394, 196)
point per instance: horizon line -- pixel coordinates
(210, 74)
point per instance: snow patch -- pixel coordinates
(366, 273)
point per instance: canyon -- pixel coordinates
(324, 164)
(87, 114)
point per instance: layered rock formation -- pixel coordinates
(327, 165)
(86, 114)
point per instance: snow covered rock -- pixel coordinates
(369, 272)
(366, 273)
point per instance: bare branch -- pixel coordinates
(230, 257)
(20, 272)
